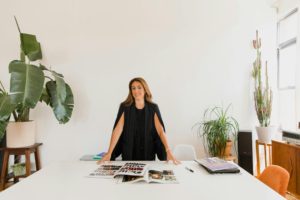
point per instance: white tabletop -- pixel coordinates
(67, 180)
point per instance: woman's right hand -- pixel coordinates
(104, 159)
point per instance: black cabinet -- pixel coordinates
(245, 153)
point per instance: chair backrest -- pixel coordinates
(276, 178)
(184, 152)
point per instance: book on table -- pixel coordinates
(217, 165)
(90, 157)
(132, 172)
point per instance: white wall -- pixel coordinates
(194, 54)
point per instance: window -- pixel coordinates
(287, 27)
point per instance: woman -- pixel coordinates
(139, 132)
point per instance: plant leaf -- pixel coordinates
(26, 83)
(3, 125)
(6, 107)
(30, 46)
(45, 97)
(22, 56)
(62, 109)
(60, 86)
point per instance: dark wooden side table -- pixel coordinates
(26, 151)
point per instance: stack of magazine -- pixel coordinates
(132, 172)
(217, 165)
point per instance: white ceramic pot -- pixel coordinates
(20, 134)
(265, 134)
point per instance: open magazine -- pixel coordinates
(217, 165)
(132, 172)
(105, 171)
(135, 172)
(151, 176)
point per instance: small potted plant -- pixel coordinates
(218, 130)
(262, 96)
(28, 85)
(19, 169)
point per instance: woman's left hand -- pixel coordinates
(172, 158)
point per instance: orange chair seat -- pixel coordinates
(276, 178)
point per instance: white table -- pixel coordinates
(68, 181)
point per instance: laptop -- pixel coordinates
(216, 165)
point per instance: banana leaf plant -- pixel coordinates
(31, 83)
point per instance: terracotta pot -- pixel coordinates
(20, 134)
(227, 151)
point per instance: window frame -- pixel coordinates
(283, 45)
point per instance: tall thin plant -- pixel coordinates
(263, 93)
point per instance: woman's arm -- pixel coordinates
(115, 136)
(163, 137)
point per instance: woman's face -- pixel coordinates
(137, 90)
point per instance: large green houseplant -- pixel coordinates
(28, 85)
(262, 96)
(217, 129)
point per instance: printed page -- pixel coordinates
(131, 179)
(161, 176)
(105, 171)
(132, 169)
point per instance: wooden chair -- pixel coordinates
(276, 178)
(267, 155)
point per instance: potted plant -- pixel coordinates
(262, 96)
(28, 85)
(218, 130)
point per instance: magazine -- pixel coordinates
(105, 171)
(131, 169)
(151, 176)
(217, 165)
(135, 172)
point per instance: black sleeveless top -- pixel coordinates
(139, 135)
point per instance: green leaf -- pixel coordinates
(45, 97)
(30, 46)
(61, 86)
(26, 83)
(6, 107)
(22, 56)
(3, 125)
(62, 109)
